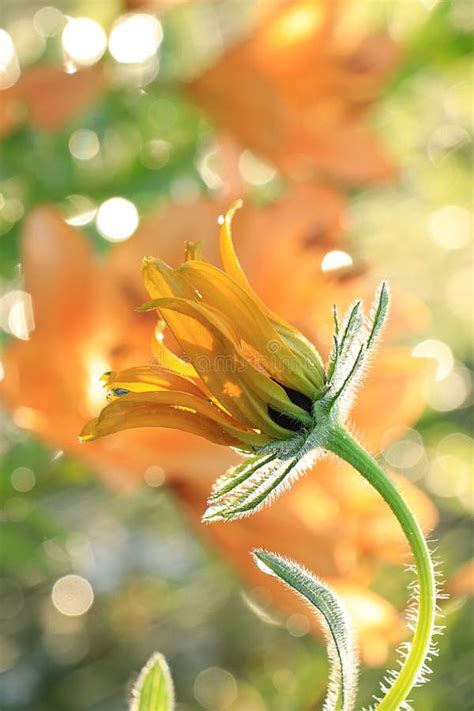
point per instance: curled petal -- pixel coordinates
(148, 379)
(208, 353)
(255, 329)
(229, 258)
(176, 410)
(162, 281)
(165, 358)
(204, 284)
(290, 335)
(241, 388)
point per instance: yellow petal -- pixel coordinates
(209, 410)
(161, 281)
(306, 352)
(172, 409)
(209, 343)
(193, 250)
(198, 340)
(229, 257)
(132, 416)
(216, 288)
(165, 358)
(314, 370)
(147, 378)
(257, 382)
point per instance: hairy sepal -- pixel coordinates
(154, 689)
(342, 652)
(354, 344)
(248, 487)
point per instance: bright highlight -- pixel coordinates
(117, 219)
(72, 595)
(84, 41)
(135, 38)
(336, 260)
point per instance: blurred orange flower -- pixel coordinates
(461, 583)
(49, 97)
(296, 90)
(85, 325)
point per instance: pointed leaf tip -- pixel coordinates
(248, 487)
(154, 689)
(353, 346)
(378, 313)
(342, 686)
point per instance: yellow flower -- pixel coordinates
(250, 380)
(249, 377)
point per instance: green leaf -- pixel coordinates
(153, 690)
(345, 339)
(352, 324)
(351, 353)
(245, 489)
(379, 314)
(342, 686)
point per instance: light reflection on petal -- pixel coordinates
(336, 260)
(16, 314)
(95, 393)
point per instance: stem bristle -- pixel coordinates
(411, 617)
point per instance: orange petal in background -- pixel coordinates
(461, 583)
(335, 522)
(394, 395)
(48, 97)
(303, 87)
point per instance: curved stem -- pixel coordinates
(340, 442)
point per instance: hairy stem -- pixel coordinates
(346, 447)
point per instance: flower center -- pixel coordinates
(291, 423)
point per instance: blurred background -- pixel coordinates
(126, 128)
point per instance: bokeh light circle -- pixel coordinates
(72, 595)
(117, 219)
(135, 38)
(84, 41)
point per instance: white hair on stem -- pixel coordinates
(411, 616)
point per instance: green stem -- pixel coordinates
(346, 447)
